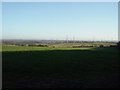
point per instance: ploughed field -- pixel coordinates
(46, 67)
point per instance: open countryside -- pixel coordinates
(60, 45)
(48, 67)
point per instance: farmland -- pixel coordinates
(48, 67)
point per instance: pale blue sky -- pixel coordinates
(58, 20)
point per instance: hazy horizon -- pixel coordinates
(60, 20)
(62, 40)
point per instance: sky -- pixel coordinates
(60, 20)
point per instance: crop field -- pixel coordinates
(59, 45)
(47, 67)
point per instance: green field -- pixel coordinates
(37, 67)
(31, 48)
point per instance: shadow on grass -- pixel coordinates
(60, 68)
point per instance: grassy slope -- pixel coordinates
(30, 48)
(56, 67)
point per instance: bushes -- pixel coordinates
(118, 44)
(113, 45)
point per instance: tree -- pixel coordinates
(118, 44)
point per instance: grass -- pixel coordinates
(31, 48)
(59, 67)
